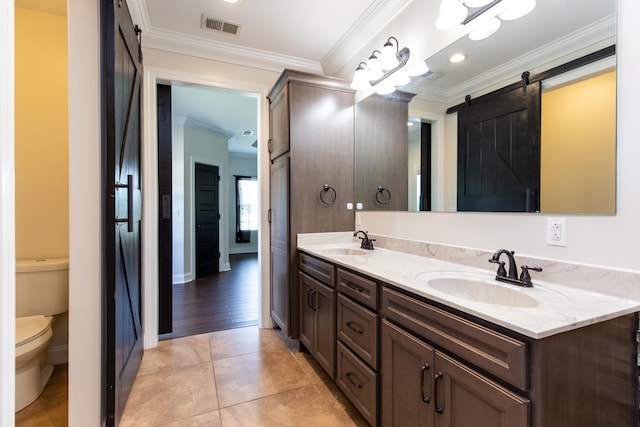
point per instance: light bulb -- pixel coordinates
(485, 29)
(400, 78)
(416, 68)
(517, 9)
(388, 58)
(452, 13)
(360, 81)
(384, 87)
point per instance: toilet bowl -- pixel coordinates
(33, 335)
(42, 292)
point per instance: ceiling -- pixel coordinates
(301, 34)
(326, 37)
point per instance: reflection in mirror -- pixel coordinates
(572, 29)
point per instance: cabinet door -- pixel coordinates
(306, 311)
(464, 398)
(280, 263)
(407, 379)
(381, 153)
(325, 327)
(279, 124)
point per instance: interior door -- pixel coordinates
(499, 152)
(207, 216)
(165, 228)
(122, 206)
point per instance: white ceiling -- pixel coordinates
(329, 37)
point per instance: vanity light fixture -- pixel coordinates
(461, 12)
(387, 69)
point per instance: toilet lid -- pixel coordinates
(29, 328)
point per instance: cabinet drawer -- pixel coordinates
(497, 354)
(359, 288)
(359, 383)
(358, 329)
(318, 269)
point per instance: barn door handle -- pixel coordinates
(129, 218)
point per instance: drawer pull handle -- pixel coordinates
(439, 409)
(425, 368)
(352, 381)
(354, 287)
(355, 327)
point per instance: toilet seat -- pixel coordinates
(30, 328)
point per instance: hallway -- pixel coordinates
(217, 302)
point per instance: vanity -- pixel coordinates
(422, 341)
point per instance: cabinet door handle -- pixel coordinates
(269, 216)
(314, 300)
(425, 368)
(355, 327)
(350, 377)
(439, 409)
(270, 145)
(354, 287)
(309, 297)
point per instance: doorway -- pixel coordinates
(215, 280)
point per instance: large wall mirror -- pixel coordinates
(576, 163)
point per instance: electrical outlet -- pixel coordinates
(557, 231)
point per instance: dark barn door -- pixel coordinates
(122, 77)
(499, 152)
(207, 216)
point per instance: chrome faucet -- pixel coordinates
(512, 275)
(367, 243)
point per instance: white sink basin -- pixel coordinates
(479, 288)
(345, 251)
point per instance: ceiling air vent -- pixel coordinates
(217, 24)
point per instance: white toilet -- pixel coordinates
(42, 291)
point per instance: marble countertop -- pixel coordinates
(546, 308)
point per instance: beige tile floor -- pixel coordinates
(239, 377)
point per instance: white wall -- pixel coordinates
(85, 246)
(180, 265)
(612, 241)
(244, 165)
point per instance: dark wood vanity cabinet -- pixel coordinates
(318, 311)
(311, 145)
(358, 342)
(423, 387)
(404, 360)
(440, 368)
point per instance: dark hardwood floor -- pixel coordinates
(225, 300)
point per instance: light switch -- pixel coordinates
(359, 206)
(349, 206)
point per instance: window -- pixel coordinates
(246, 207)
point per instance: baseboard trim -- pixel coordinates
(59, 354)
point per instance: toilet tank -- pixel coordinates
(42, 286)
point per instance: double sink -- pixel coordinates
(478, 287)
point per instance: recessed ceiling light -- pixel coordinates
(231, 1)
(457, 57)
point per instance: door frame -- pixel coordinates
(152, 76)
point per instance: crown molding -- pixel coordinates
(375, 18)
(208, 128)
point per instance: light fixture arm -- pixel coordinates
(403, 58)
